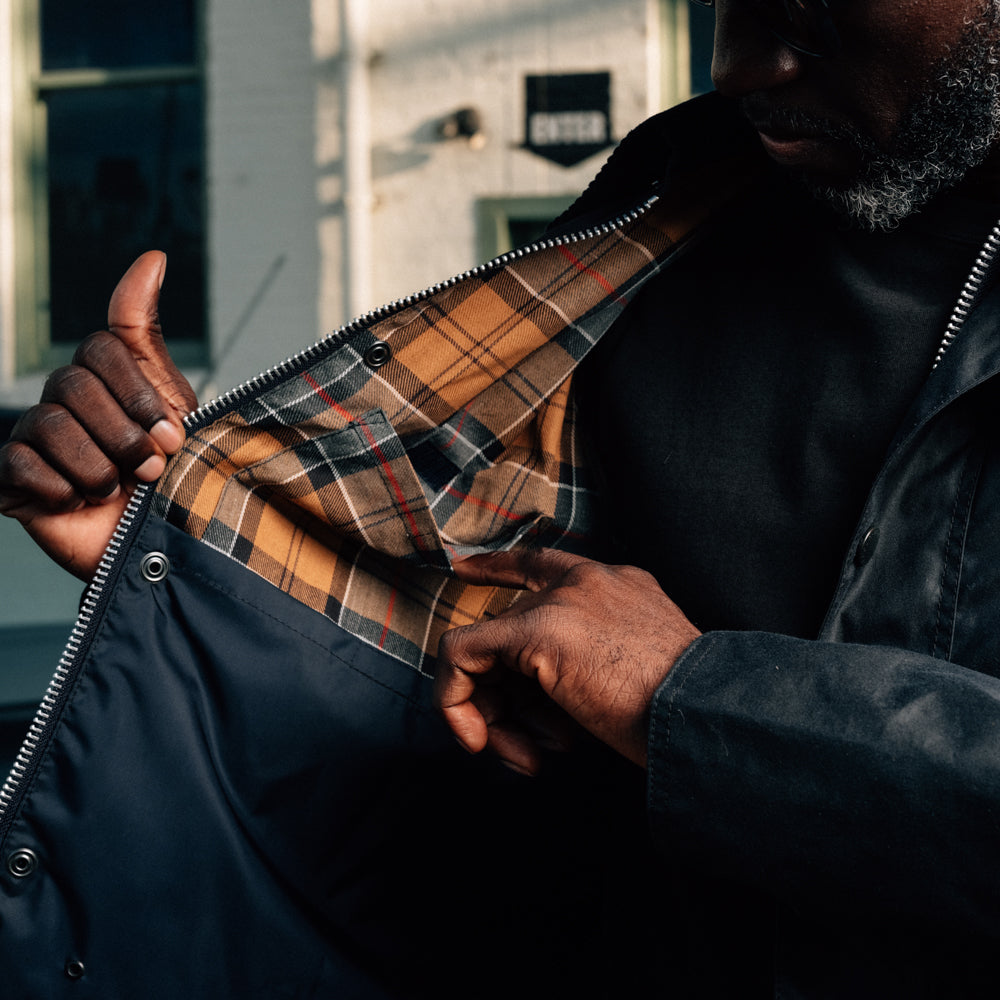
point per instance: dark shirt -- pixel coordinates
(747, 399)
(738, 414)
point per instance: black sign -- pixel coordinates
(568, 117)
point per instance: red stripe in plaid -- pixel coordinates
(458, 427)
(599, 278)
(326, 397)
(480, 502)
(402, 505)
(280, 485)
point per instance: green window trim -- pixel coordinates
(498, 220)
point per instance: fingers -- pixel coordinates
(50, 491)
(477, 664)
(595, 639)
(97, 417)
(106, 358)
(132, 361)
(520, 721)
(529, 569)
(486, 705)
(504, 712)
(106, 395)
(454, 689)
(62, 466)
(114, 414)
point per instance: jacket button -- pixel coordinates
(866, 548)
(22, 863)
(74, 969)
(154, 566)
(377, 354)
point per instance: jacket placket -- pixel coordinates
(335, 488)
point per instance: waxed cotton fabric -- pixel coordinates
(241, 800)
(240, 789)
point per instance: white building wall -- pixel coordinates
(476, 53)
(6, 198)
(279, 267)
(275, 152)
(262, 210)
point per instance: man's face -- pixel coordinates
(907, 107)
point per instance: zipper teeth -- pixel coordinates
(215, 407)
(57, 685)
(972, 287)
(221, 404)
(211, 410)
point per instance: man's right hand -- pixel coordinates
(104, 423)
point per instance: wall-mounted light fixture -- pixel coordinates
(465, 123)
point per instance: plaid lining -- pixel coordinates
(350, 488)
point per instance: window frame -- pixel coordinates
(33, 349)
(674, 47)
(494, 215)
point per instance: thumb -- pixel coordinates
(134, 318)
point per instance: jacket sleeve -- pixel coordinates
(834, 775)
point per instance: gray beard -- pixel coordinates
(944, 134)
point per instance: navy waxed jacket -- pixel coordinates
(236, 785)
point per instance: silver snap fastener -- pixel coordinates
(154, 566)
(75, 969)
(377, 354)
(22, 863)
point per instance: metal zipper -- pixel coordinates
(96, 593)
(310, 355)
(967, 297)
(58, 688)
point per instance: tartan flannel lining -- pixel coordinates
(351, 489)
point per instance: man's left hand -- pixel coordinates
(597, 639)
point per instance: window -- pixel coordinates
(111, 164)
(686, 33)
(507, 223)
(701, 25)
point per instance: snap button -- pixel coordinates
(75, 969)
(377, 354)
(154, 566)
(866, 548)
(22, 863)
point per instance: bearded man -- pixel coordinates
(789, 609)
(778, 419)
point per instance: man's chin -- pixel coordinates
(888, 193)
(867, 207)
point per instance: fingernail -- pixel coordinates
(112, 495)
(151, 469)
(166, 435)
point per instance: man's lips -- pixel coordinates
(792, 150)
(806, 139)
(805, 146)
